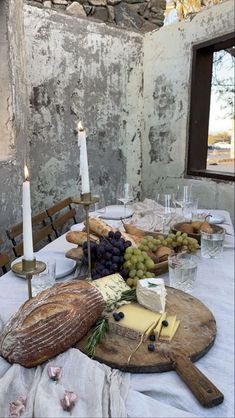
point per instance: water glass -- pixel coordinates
(165, 209)
(189, 209)
(125, 194)
(212, 244)
(182, 271)
(45, 279)
(100, 205)
(183, 194)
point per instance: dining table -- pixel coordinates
(143, 394)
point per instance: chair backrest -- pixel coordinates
(60, 214)
(4, 260)
(42, 231)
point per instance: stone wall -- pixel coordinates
(5, 83)
(167, 71)
(14, 109)
(79, 70)
(140, 15)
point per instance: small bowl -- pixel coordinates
(176, 227)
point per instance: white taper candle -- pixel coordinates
(27, 219)
(84, 171)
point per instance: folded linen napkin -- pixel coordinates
(148, 215)
(101, 391)
(141, 405)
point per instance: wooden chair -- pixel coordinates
(4, 260)
(42, 231)
(60, 214)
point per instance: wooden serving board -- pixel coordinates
(193, 339)
(77, 254)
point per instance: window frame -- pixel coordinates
(202, 62)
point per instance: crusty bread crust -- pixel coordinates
(135, 241)
(51, 323)
(99, 227)
(79, 237)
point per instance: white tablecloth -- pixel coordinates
(164, 394)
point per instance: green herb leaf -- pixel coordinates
(98, 332)
(129, 296)
(152, 284)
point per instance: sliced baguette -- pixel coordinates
(78, 237)
(99, 227)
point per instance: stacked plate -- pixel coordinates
(115, 212)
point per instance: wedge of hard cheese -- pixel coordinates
(136, 321)
(168, 332)
(159, 326)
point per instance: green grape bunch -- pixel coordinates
(138, 263)
(177, 242)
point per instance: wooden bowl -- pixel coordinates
(160, 268)
(176, 227)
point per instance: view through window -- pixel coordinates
(211, 120)
(220, 155)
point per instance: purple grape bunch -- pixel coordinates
(107, 255)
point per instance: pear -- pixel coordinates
(205, 227)
(197, 225)
(163, 252)
(188, 228)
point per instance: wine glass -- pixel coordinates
(99, 207)
(125, 194)
(165, 208)
(183, 196)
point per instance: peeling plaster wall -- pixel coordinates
(13, 90)
(82, 70)
(78, 70)
(167, 67)
(5, 103)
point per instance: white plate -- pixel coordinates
(64, 266)
(214, 219)
(116, 212)
(77, 227)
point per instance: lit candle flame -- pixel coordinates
(26, 173)
(80, 126)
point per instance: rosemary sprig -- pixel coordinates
(101, 327)
(129, 296)
(98, 332)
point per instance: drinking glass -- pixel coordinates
(212, 244)
(99, 206)
(189, 209)
(125, 194)
(183, 195)
(182, 271)
(45, 279)
(165, 208)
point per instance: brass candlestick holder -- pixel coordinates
(27, 268)
(87, 200)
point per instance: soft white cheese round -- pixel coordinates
(151, 293)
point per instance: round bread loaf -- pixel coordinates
(51, 322)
